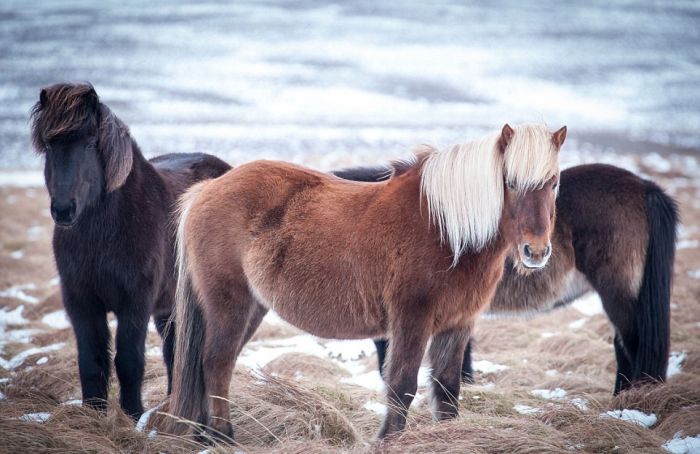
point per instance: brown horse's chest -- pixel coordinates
(469, 291)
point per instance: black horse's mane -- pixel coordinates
(62, 109)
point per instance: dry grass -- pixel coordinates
(299, 404)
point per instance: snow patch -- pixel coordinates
(487, 367)
(12, 317)
(18, 359)
(350, 350)
(633, 416)
(154, 351)
(694, 274)
(580, 403)
(675, 361)
(42, 360)
(17, 292)
(18, 254)
(371, 380)
(682, 445)
(687, 244)
(143, 420)
(57, 319)
(35, 417)
(375, 406)
(552, 373)
(526, 409)
(589, 304)
(557, 393)
(578, 324)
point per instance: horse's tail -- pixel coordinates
(189, 401)
(654, 301)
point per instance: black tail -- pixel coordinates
(654, 301)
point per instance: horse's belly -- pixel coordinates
(333, 317)
(532, 297)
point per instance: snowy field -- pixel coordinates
(355, 83)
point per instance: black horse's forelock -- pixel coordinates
(63, 109)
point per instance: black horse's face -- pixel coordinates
(74, 176)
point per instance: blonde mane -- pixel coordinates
(463, 184)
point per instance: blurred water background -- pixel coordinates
(353, 82)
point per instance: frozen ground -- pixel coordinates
(360, 81)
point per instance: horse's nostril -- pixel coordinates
(527, 251)
(547, 250)
(63, 212)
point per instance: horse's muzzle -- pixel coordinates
(63, 214)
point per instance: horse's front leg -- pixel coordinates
(446, 354)
(408, 342)
(93, 338)
(129, 360)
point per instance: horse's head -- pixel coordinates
(531, 180)
(88, 149)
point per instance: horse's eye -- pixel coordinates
(511, 185)
(555, 186)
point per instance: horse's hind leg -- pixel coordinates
(166, 330)
(227, 324)
(467, 369)
(620, 310)
(446, 354)
(624, 364)
(406, 348)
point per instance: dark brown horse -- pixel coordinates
(615, 234)
(114, 234)
(416, 257)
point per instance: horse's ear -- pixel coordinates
(43, 97)
(506, 136)
(114, 144)
(92, 98)
(559, 137)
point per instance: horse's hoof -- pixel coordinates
(222, 434)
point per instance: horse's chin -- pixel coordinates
(524, 269)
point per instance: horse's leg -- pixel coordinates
(93, 338)
(406, 348)
(227, 323)
(132, 327)
(382, 345)
(446, 354)
(467, 370)
(620, 311)
(166, 330)
(624, 365)
(255, 317)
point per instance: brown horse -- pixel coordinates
(413, 258)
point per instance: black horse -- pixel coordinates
(114, 234)
(615, 234)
